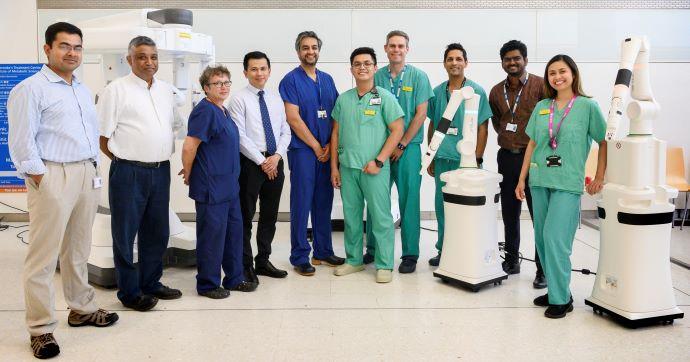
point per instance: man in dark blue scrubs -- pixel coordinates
(309, 95)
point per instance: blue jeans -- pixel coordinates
(139, 201)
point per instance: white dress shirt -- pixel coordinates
(50, 120)
(138, 120)
(245, 111)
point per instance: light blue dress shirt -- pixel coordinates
(50, 120)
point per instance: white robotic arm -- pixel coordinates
(467, 147)
(456, 99)
(633, 73)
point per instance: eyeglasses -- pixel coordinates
(68, 48)
(357, 65)
(225, 84)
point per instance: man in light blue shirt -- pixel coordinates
(53, 143)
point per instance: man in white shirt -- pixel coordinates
(137, 114)
(53, 143)
(264, 139)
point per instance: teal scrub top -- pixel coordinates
(363, 126)
(438, 105)
(414, 91)
(584, 124)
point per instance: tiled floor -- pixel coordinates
(416, 317)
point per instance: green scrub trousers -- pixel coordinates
(357, 188)
(556, 216)
(405, 174)
(441, 165)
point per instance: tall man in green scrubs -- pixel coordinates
(412, 89)
(367, 127)
(447, 156)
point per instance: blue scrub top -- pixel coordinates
(216, 168)
(310, 96)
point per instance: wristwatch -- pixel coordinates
(379, 164)
(401, 147)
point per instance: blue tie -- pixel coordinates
(268, 129)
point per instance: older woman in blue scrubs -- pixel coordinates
(211, 168)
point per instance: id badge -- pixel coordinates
(453, 131)
(376, 101)
(321, 113)
(553, 161)
(97, 182)
(512, 127)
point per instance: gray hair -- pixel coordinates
(140, 40)
(210, 71)
(307, 34)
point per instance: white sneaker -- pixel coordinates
(346, 269)
(384, 276)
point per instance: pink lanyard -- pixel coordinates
(552, 138)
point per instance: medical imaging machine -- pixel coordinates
(108, 38)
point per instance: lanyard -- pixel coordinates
(552, 138)
(396, 91)
(318, 86)
(517, 98)
(448, 92)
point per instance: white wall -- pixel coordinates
(592, 37)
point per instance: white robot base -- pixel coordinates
(635, 319)
(181, 250)
(470, 256)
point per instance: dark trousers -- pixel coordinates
(509, 165)
(139, 201)
(311, 191)
(254, 184)
(218, 245)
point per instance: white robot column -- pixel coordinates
(633, 282)
(470, 255)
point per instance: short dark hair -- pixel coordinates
(255, 55)
(61, 27)
(454, 46)
(514, 45)
(307, 34)
(363, 50)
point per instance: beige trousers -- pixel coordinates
(61, 213)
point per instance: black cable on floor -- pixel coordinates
(12, 207)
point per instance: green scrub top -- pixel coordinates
(584, 124)
(438, 105)
(363, 126)
(415, 90)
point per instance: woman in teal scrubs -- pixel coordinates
(561, 130)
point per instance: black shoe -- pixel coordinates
(558, 311)
(245, 286)
(330, 261)
(539, 281)
(368, 258)
(44, 346)
(270, 270)
(142, 303)
(305, 269)
(435, 260)
(510, 268)
(407, 266)
(167, 293)
(218, 293)
(250, 275)
(543, 300)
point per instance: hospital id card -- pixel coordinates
(321, 113)
(97, 182)
(512, 127)
(376, 101)
(453, 131)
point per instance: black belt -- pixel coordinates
(515, 151)
(142, 164)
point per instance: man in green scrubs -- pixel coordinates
(412, 89)
(367, 126)
(447, 157)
